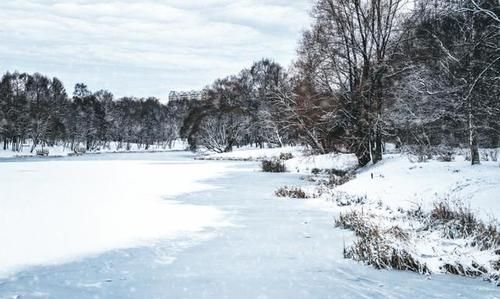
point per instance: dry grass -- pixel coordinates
(336, 180)
(473, 270)
(273, 165)
(375, 247)
(388, 248)
(458, 222)
(291, 192)
(343, 199)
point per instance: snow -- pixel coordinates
(386, 191)
(249, 153)
(112, 147)
(276, 248)
(397, 182)
(396, 185)
(300, 163)
(306, 164)
(55, 211)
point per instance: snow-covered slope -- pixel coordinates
(397, 182)
(397, 194)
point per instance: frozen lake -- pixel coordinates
(107, 226)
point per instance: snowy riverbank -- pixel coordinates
(401, 194)
(62, 150)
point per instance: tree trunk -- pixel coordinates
(33, 146)
(473, 143)
(363, 153)
(376, 124)
(376, 147)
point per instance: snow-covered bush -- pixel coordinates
(378, 247)
(42, 152)
(336, 180)
(461, 243)
(446, 157)
(489, 155)
(472, 270)
(273, 165)
(458, 222)
(330, 171)
(286, 156)
(343, 199)
(291, 192)
(82, 150)
(494, 155)
(418, 154)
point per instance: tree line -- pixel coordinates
(420, 73)
(38, 109)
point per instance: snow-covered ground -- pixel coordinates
(392, 189)
(300, 162)
(385, 193)
(112, 147)
(399, 183)
(249, 153)
(275, 248)
(307, 164)
(106, 226)
(54, 211)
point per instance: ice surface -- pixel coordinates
(54, 211)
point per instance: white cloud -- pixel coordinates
(148, 47)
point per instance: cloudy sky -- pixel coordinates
(146, 48)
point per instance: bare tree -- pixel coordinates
(346, 54)
(467, 40)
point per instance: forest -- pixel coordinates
(424, 76)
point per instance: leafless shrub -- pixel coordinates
(424, 153)
(315, 171)
(291, 192)
(42, 152)
(484, 155)
(488, 155)
(496, 265)
(285, 156)
(446, 157)
(494, 155)
(344, 199)
(416, 213)
(336, 180)
(418, 154)
(273, 165)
